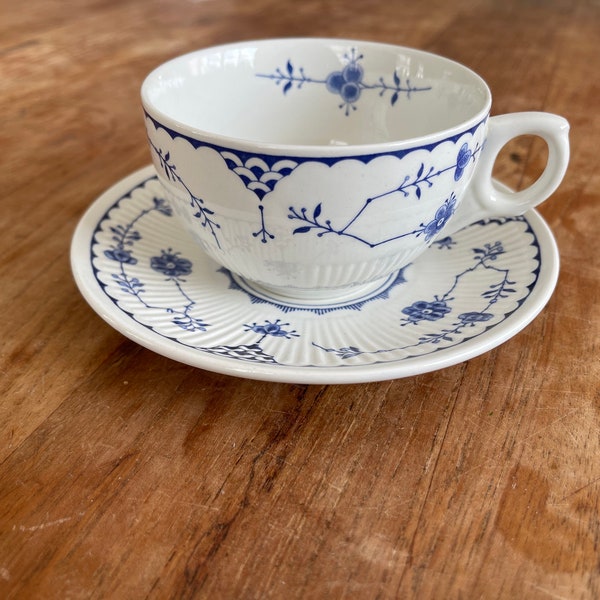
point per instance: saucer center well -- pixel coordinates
(351, 299)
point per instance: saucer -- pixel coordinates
(139, 269)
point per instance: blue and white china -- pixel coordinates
(142, 272)
(315, 168)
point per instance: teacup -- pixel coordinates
(316, 168)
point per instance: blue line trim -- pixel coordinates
(271, 159)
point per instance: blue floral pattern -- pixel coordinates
(170, 263)
(442, 216)
(275, 329)
(462, 160)
(472, 318)
(348, 82)
(201, 211)
(125, 236)
(445, 242)
(440, 307)
(314, 223)
(424, 177)
(160, 287)
(422, 310)
(261, 174)
(433, 310)
(120, 255)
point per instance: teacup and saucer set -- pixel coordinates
(321, 211)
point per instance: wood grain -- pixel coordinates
(126, 475)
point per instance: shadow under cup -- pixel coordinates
(315, 168)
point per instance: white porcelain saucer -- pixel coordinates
(140, 271)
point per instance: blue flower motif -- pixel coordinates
(349, 352)
(274, 329)
(446, 242)
(170, 264)
(462, 160)
(347, 82)
(442, 216)
(130, 285)
(161, 205)
(426, 311)
(120, 255)
(470, 318)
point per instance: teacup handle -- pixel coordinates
(483, 199)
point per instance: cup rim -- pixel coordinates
(160, 117)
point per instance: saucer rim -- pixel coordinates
(102, 305)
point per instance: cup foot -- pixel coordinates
(311, 299)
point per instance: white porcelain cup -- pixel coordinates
(315, 168)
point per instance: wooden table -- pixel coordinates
(124, 474)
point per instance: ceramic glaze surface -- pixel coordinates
(400, 200)
(469, 292)
(316, 92)
(317, 168)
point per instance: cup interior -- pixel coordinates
(314, 92)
